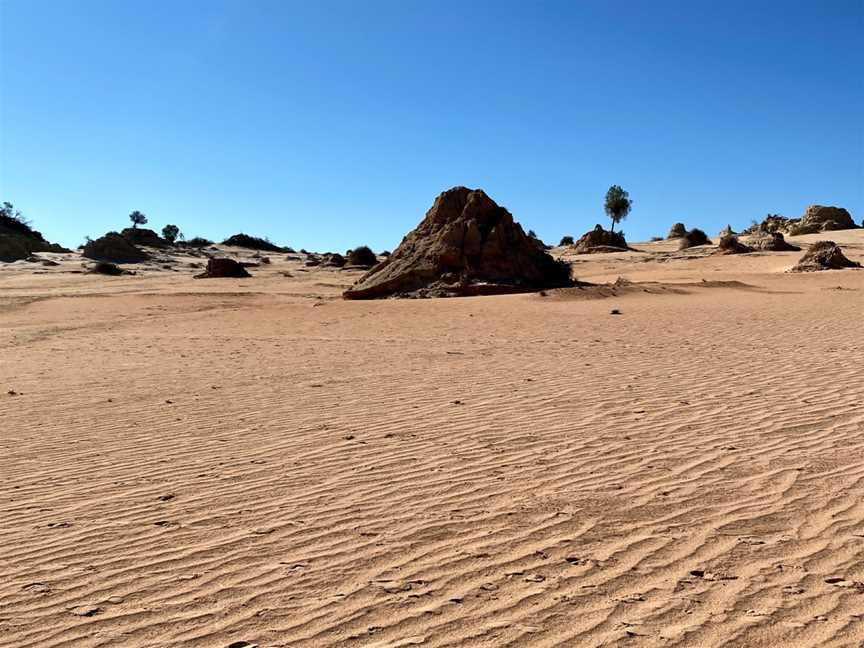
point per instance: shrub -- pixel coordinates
(566, 240)
(252, 243)
(693, 238)
(197, 242)
(362, 256)
(171, 233)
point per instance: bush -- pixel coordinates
(252, 243)
(113, 247)
(197, 242)
(106, 268)
(693, 238)
(362, 256)
(566, 240)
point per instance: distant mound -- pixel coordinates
(600, 240)
(115, 248)
(693, 238)
(251, 242)
(18, 240)
(824, 255)
(465, 245)
(141, 236)
(772, 242)
(222, 268)
(676, 231)
(729, 244)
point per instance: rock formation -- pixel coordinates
(19, 241)
(223, 268)
(772, 242)
(817, 218)
(114, 248)
(600, 240)
(729, 244)
(142, 236)
(824, 255)
(466, 245)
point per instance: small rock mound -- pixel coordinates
(466, 245)
(223, 269)
(115, 248)
(729, 244)
(693, 238)
(824, 255)
(772, 242)
(600, 240)
(141, 236)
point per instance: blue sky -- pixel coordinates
(328, 124)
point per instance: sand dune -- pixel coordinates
(198, 463)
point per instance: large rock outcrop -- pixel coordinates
(466, 245)
(600, 240)
(817, 218)
(19, 241)
(115, 248)
(824, 255)
(822, 219)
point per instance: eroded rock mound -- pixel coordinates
(115, 248)
(19, 241)
(222, 268)
(822, 219)
(676, 231)
(600, 240)
(824, 255)
(729, 244)
(772, 242)
(141, 236)
(466, 245)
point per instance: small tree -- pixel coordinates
(618, 204)
(137, 219)
(171, 233)
(566, 240)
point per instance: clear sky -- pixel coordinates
(328, 124)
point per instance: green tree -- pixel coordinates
(566, 240)
(137, 219)
(618, 204)
(171, 233)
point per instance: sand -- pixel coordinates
(203, 462)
